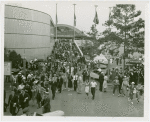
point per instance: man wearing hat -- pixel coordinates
(101, 80)
(46, 103)
(13, 101)
(23, 99)
(116, 85)
(19, 78)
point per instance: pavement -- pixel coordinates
(104, 104)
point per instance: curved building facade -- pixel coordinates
(29, 32)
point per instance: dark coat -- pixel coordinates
(21, 100)
(46, 105)
(11, 101)
(101, 78)
(53, 85)
(59, 82)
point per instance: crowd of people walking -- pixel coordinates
(66, 69)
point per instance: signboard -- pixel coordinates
(7, 68)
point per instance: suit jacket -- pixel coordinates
(53, 85)
(59, 81)
(12, 99)
(101, 78)
(22, 98)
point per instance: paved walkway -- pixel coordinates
(104, 104)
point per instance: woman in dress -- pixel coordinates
(69, 82)
(79, 84)
(105, 82)
(125, 84)
(87, 88)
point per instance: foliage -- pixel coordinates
(13, 57)
(93, 32)
(130, 28)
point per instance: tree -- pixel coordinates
(15, 58)
(124, 18)
(93, 32)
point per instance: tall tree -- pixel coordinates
(130, 28)
(124, 18)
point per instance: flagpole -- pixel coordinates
(56, 21)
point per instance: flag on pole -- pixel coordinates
(96, 20)
(74, 19)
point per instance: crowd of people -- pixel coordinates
(66, 69)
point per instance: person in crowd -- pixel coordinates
(75, 79)
(28, 90)
(120, 78)
(12, 103)
(93, 85)
(125, 85)
(105, 83)
(70, 78)
(135, 77)
(79, 84)
(65, 81)
(139, 91)
(116, 85)
(101, 80)
(39, 95)
(87, 88)
(53, 84)
(59, 83)
(46, 103)
(112, 74)
(34, 93)
(19, 78)
(24, 99)
(132, 92)
(84, 74)
(117, 60)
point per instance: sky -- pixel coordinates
(84, 10)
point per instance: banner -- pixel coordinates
(7, 68)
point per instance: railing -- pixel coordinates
(78, 48)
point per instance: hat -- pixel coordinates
(116, 77)
(124, 76)
(19, 73)
(132, 83)
(46, 92)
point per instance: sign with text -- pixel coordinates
(7, 68)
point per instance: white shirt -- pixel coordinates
(93, 84)
(20, 86)
(75, 77)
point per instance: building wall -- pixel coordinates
(29, 32)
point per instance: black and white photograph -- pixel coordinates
(74, 59)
